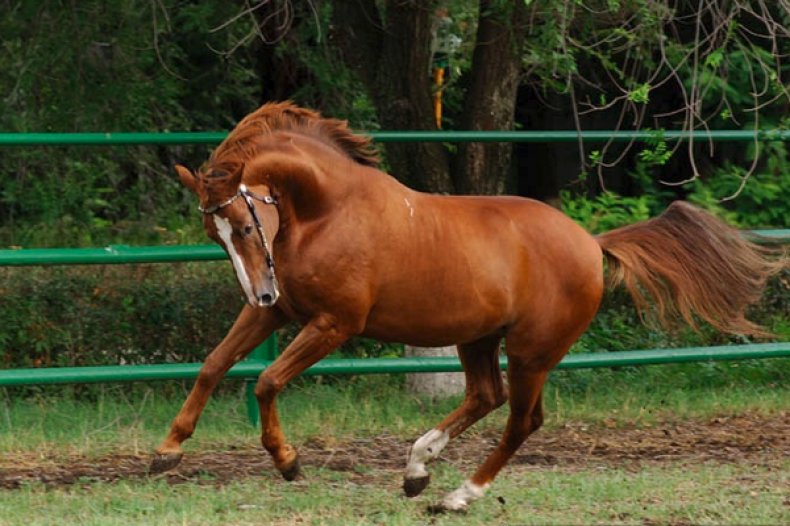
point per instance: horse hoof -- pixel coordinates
(164, 461)
(291, 472)
(413, 487)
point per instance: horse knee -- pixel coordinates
(267, 388)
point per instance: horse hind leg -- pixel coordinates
(484, 393)
(526, 416)
(529, 363)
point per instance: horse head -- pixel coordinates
(243, 220)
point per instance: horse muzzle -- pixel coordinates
(267, 300)
(268, 294)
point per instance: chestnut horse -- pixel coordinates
(318, 235)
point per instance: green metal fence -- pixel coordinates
(266, 352)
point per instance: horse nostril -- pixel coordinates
(265, 300)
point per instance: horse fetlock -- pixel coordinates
(425, 449)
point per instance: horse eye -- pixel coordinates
(248, 230)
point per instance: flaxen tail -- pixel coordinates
(691, 265)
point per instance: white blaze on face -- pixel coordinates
(224, 230)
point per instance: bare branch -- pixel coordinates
(702, 71)
(155, 4)
(248, 11)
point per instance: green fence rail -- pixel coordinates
(346, 366)
(531, 136)
(121, 254)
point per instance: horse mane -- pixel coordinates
(247, 138)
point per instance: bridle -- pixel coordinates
(248, 197)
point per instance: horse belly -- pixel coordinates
(428, 333)
(431, 316)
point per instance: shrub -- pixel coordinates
(66, 316)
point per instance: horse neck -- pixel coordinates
(307, 183)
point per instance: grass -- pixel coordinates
(52, 424)
(701, 494)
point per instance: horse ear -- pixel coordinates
(188, 179)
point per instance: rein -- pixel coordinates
(248, 197)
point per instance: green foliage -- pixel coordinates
(640, 94)
(118, 66)
(656, 151)
(762, 201)
(332, 85)
(68, 316)
(101, 315)
(607, 210)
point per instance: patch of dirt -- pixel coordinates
(750, 438)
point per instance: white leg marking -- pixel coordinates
(224, 230)
(459, 499)
(425, 449)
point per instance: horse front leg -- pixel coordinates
(317, 339)
(252, 327)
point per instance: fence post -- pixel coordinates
(266, 351)
(434, 385)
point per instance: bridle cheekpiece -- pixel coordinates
(248, 199)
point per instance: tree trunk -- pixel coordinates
(490, 102)
(279, 74)
(391, 52)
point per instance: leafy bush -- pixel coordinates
(135, 314)
(763, 200)
(70, 316)
(65, 316)
(607, 210)
(126, 69)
